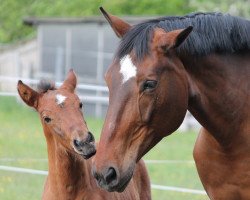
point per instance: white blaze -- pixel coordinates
(60, 99)
(128, 69)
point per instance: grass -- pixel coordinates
(21, 138)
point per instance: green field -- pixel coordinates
(22, 144)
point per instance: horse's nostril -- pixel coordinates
(90, 137)
(111, 175)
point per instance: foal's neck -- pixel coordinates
(68, 173)
(219, 97)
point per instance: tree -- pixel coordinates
(12, 12)
(238, 8)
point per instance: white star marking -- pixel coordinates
(128, 69)
(60, 99)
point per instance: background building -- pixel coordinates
(85, 44)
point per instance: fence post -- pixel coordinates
(68, 52)
(59, 64)
(100, 57)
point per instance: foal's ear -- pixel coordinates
(70, 81)
(174, 39)
(28, 95)
(119, 26)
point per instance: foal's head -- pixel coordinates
(61, 114)
(148, 100)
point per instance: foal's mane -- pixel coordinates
(45, 85)
(212, 32)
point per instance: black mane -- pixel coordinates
(212, 32)
(45, 85)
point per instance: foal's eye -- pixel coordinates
(149, 85)
(47, 119)
(80, 105)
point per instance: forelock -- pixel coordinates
(45, 85)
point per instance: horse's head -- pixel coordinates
(61, 114)
(148, 99)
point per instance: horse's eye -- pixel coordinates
(149, 85)
(80, 105)
(47, 119)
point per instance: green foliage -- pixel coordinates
(238, 8)
(147, 7)
(12, 12)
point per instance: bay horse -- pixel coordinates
(162, 68)
(69, 142)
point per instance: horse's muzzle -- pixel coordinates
(111, 180)
(107, 180)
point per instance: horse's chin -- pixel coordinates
(122, 186)
(87, 156)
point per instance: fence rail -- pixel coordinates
(98, 88)
(87, 98)
(189, 121)
(153, 186)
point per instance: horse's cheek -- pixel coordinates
(146, 105)
(58, 129)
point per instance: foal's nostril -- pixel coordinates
(90, 138)
(96, 176)
(80, 143)
(111, 175)
(77, 143)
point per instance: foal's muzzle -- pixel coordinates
(86, 148)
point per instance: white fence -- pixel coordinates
(99, 99)
(153, 186)
(188, 123)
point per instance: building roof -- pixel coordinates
(35, 21)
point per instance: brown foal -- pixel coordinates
(69, 142)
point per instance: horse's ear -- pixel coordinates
(181, 36)
(28, 95)
(119, 26)
(70, 82)
(174, 39)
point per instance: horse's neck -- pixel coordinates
(220, 87)
(67, 173)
